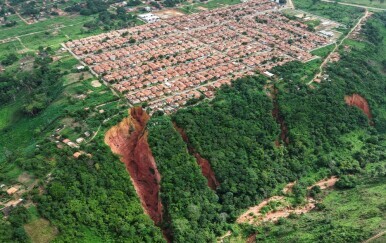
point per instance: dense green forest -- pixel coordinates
(191, 210)
(95, 194)
(236, 131)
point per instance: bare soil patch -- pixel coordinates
(75, 77)
(326, 183)
(25, 178)
(201, 8)
(254, 216)
(360, 102)
(129, 140)
(168, 13)
(96, 84)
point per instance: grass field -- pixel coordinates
(375, 3)
(340, 13)
(194, 8)
(324, 51)
(40, 231)
(24, 29)
(10, 47)
(49, 32)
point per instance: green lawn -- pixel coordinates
(23, 29)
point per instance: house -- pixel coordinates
(268, 74)
(174, 56)
(12, 190)
(77, 154)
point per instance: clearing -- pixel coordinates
(41, 231)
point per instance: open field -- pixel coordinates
(368, 3)
(168, 13)
(40, 231)
(58, 22)
(343, 14)
(212, 4)
(10, 47)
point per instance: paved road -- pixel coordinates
(355, 5)
(337, 45)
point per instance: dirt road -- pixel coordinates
(375, 237)
(337, 45)
(355, 5)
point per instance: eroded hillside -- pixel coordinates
(129, 140)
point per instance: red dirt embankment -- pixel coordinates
(206, 169)
(129, 140)
(361, 103)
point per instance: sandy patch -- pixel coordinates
(248, 216)
(24, 178)
(255, 217)
(326, 183)
(168, 13)
(201, 8)
(288, 188)
(96, 84)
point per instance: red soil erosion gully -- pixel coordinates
(129, 140)
(279, 119)
(360, 102)
(206, 169)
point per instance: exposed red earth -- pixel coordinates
(255, 217)
(206, 169)
(360, 102)
(129, 140)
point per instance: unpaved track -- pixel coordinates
(375, 237)
(252, 212)
(337, 46)
(355, 5)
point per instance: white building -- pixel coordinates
(149, 17)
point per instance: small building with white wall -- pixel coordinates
(149, 17)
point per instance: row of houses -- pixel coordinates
(162, 63)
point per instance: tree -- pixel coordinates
(346, 182)
(10, 59)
